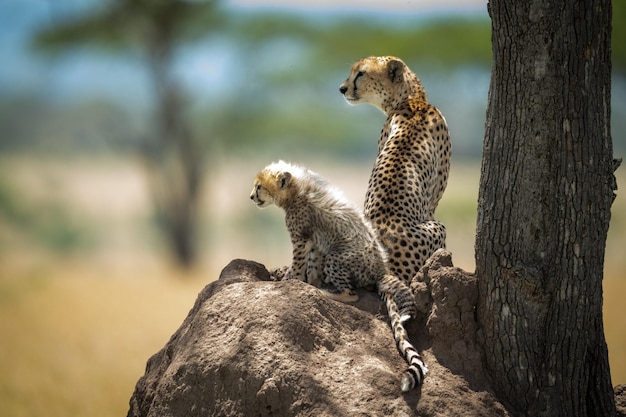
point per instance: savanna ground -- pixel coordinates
(77, 325)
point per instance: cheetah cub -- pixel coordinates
(333, 244)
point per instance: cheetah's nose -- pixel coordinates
(343, 89)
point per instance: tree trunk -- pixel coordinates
(544, 207)
(173, 158)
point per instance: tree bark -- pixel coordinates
(544, 207)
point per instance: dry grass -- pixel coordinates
(77, 337)
(77, 330)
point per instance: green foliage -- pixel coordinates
(126, 23)
(446, 43)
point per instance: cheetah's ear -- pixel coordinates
(284, 179)
(395, 69)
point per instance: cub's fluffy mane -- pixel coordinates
(321, 194)
(312, 185)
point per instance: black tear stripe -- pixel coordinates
(358, 74)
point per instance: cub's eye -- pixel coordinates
(258, 187)
(359, 74)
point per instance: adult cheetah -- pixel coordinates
(334, 244)
(411, 169)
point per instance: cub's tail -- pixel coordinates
(398, 313)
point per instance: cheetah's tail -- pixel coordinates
(401, 294)
(415, 373)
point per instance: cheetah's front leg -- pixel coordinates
(301, 249)
(314, 266)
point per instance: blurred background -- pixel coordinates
(131, 130)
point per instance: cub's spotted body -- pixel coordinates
(411, 169)
(333, 244)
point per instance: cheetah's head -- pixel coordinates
(374, 80)
(383, 81)
(273, 185)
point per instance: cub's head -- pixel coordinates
(274, 185)
(378, 81)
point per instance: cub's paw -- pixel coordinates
(280, 273)
(345, 296)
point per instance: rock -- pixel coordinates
(254, 347)
(451, 320)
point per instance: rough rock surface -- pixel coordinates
(255, 347)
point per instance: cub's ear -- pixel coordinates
(284, 179)
(395, 69)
